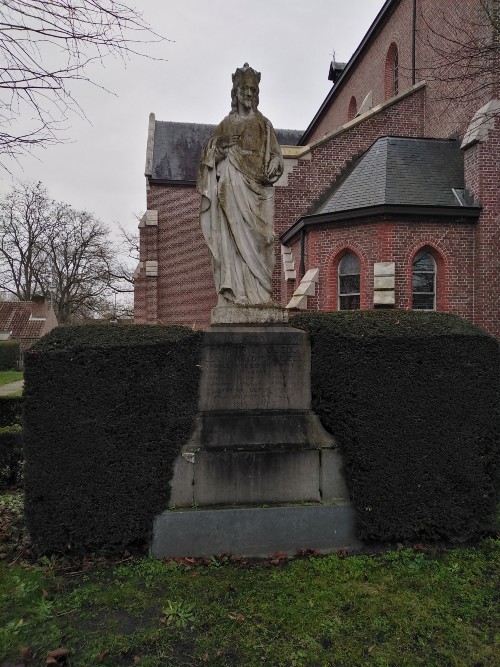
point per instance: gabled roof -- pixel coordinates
(177, 148)
(397, 175)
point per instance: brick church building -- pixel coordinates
(389, 199)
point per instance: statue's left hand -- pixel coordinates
(273, 169)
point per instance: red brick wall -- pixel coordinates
(370, 71)
(466, 254)
(450, 243)
(482, 173)
(438, 24)
(185, 287)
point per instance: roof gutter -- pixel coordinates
(306, 222)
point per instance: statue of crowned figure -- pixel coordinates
(238, 168)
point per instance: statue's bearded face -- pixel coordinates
(247, 92)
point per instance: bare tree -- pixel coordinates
(44, 46)
(80, 255)
(49, 249)
(25, 217)
(463, 53)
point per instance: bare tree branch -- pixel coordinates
(465, 53)
(47, 44)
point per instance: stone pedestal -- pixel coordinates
(255, 391)
(256, 442)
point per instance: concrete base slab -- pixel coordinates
(254, 531)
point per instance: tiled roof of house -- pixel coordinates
(177, 148)
(15, 318)
(402, 171)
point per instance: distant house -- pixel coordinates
(26, 321)
(390, 198)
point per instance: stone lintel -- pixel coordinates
(152, 268)
(383, 282)
(384, 268)
(384, 297)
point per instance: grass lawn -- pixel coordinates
(415, 606)
(6, 377)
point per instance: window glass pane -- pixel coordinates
(423, 282)
(349, 284)
(350, 302)
(349, 264)
(423, 301)
(424, 262)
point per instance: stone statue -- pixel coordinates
(238, 167)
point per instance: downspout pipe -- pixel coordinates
(413, 43)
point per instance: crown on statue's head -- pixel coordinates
(244, 72)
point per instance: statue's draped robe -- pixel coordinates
(237, 208)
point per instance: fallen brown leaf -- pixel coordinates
(278, 556)
(57, 656)
(236, 616)
(101, 656)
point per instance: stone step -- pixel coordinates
(255, 531)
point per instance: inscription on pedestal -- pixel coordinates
(256, 372)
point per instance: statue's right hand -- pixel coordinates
(226, 142)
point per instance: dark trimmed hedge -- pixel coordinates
(11, 409)
(413, 401)
(106, 410)
(11, 456)
(10, 355)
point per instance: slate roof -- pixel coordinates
(402, 171)
(177, 148)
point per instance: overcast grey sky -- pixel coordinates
(289, 41)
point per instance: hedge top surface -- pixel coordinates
(97, 336)
(388, 323)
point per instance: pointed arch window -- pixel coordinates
(349, 282)
(353, 108)
(395, 73)
(424, 281)
(391, 74)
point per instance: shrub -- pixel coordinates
(9, 355)
(11, 408)
(412, 399)
(106, 412)
(11, 456)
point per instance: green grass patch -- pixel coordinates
(6, 377)
(409, 607)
